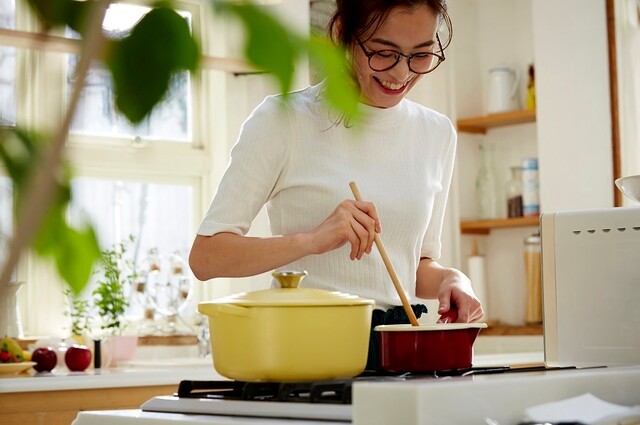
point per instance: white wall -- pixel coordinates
(574, 122)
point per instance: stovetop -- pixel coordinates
(301, 400)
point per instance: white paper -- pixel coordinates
(585, 408)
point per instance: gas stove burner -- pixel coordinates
(334, 392)
(321, 400)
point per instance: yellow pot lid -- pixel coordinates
(289, 294)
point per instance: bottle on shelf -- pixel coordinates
(487, 185)
(514, 193)
(533, 313)
(530, 188)
(531, 90)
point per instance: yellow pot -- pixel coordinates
(289, 334)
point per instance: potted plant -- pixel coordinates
(110, 302)
(80, 315)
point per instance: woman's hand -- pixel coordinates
(456, 293)
(354, 222)
(452, 288)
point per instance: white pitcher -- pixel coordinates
(503, 90)
(10, 321)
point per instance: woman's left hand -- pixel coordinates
(456, 293)
(452, 288)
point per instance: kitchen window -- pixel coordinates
(97, 115)
(146, 181)
(7, 67)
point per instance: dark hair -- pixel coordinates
(353, 18)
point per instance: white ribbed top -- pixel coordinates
(291, 158)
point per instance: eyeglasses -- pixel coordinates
(419, 63)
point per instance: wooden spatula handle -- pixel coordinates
(387, 262)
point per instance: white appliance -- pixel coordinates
(591, 287)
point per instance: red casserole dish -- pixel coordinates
(427, 348)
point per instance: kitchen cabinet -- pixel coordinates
(56, 398)
(61, 407)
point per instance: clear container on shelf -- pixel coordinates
(530, 188)
(487, 188)
(533, 271)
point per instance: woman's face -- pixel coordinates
(407, 31)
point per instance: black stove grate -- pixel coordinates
(330, 392)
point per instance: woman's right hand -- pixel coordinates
(354, 222)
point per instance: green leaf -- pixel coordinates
(143, 63)
(269, 45)
(74, 251)
(55, 13)
(341, 90)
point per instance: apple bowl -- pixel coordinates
(630, 186)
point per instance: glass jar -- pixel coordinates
(533, 270)
(514, 193)
(487, 185)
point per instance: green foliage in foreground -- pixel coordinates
(142, 64)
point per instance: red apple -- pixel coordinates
(77, 358)
(45, 357)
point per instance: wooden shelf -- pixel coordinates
(484, 227)
(480, 125)
(499, 329)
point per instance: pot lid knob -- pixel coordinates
(289, 278)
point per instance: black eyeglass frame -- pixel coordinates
(369, 54)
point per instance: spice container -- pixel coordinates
(530, 188)
(514, 193)
(533, 312)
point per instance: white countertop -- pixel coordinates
(131, 374)
(172, 371)
(459, 400)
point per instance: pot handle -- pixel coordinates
(220, 309)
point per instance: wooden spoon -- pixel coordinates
(392, 273)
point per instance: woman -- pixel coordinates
(299, 161)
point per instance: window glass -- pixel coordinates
(7, 67)
(156, 215)
(97, 114)
(6, 216)
(159, 218)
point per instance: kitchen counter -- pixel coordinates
(457, 400)
(56, 397)
(131, 374)
(172, 371)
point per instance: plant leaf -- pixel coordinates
(55, 13)
(74, 251)
(143, 62)
(269, 45)
(340, 87)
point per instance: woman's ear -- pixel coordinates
(336, 30)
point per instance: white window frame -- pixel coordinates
(41, 93)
